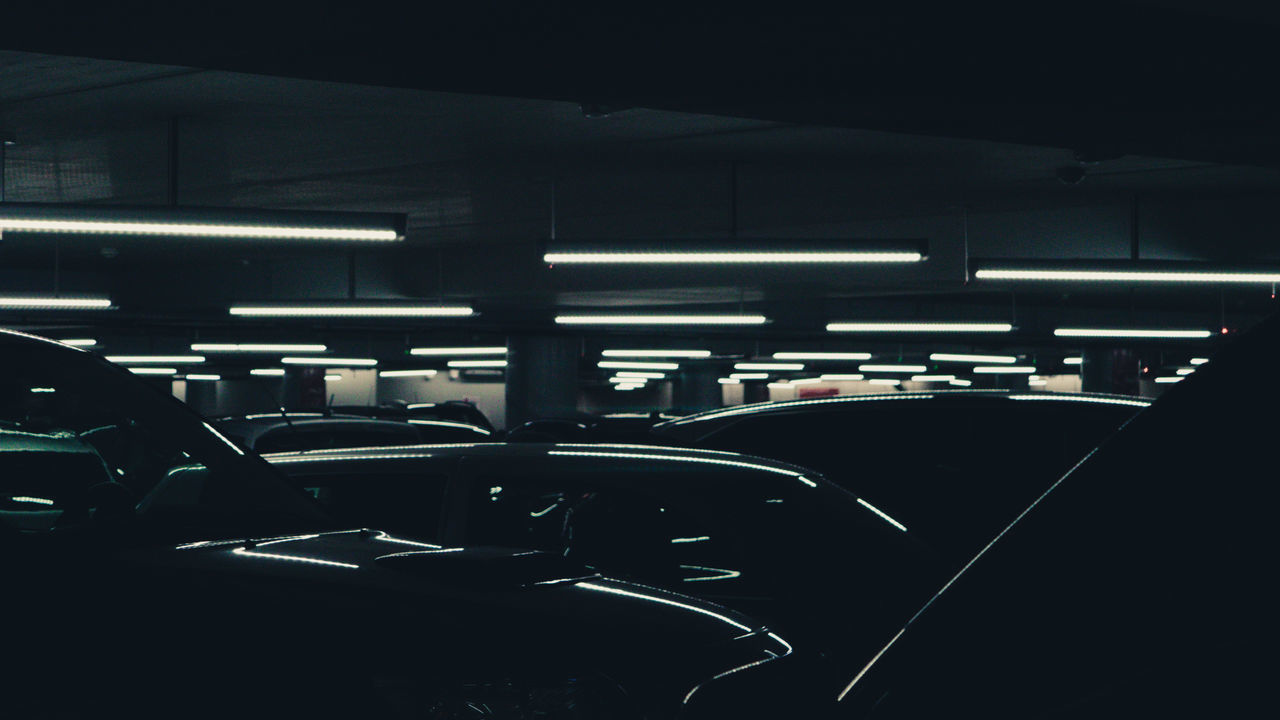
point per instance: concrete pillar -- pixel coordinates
(202, 396)
(304, 388)
(1110, 370)
(755, 391)
(697, 389)
(542, 377)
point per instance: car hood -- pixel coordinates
(402, 590)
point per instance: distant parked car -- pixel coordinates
(586, 428)
(459, 411)
(953, 466)
(833, 573)
(274, 432)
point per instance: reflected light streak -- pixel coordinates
(294, 558)
(884, 516)
(664, 601)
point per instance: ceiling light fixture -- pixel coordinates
(1124, 271)
(332, 377)
(1169, 379)
(1133, 333)
(210, 223)
(960, 357)
(1199, 361)
(729, 381)
(629, 365)
(822, 356)
(477, 363)
(165, 359)
(257, 348)
(644, 375)
(767, 366)
(736, 252)
(627, 381)
(1037, 383)
(344, 310)
(55, 303)
(690, 354)
(1076, 360)
(202, 376)
(153, 370)
(267, 372)
(661, 319)
(1185, 371)
(80, 342)
(455, 351)
(919, 327)
(750, 376)
(330, 362)
(884, 381)
(1004, 370)
(960, 383)
(407, 373)
(932, 378)
(892, 368)
(841, 377)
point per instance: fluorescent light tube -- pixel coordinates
(629, 365)
(332, 378)
(661, 319)
(960, 383)
(339, 311)
(919, 327)
(806, 381)
(729, 381)
(79, 342)
(1005, 370)
(455, 351)
(822, 356)
(54, 303)
(644, 375)
(892, 368)
(1036, 383)
(750, 376)
(1169, 379)
(1199, 361)
(477, 363)
(631, 386)
(153, 370)
(164, 359)
(1131, 333)
(884, 381)
(932, 378)
(1077, 360)
(692, 354)
(1132, 276)
(627, 380)
(727, 257)
(1186, 371)
(767, 366)
(213, 223)
(960, 357)
(838, 377)
(267, 372)
(408, 373)
(202, 376)
(330, 362)
(258, 348)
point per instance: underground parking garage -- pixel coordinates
(697, 365)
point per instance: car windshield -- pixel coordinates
(1154, 558)
(76, 432)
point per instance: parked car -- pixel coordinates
(835, 575)
(953, 466)
(459, 411)
(225, 592)
(1141, 584)
(277, 432)
(630, 428)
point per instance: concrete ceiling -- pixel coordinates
(485, 180)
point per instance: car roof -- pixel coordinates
(843, 402)
(567, 453)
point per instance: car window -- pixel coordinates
(405, 503)
(618, 531)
